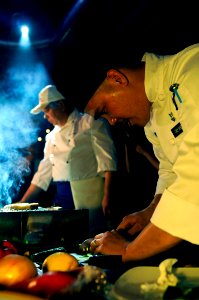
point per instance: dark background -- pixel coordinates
(76, 39)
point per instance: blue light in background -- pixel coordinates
(24, 39)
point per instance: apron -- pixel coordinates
(63, 196)
(88, 194)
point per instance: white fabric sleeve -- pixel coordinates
(178, 209)
(43, 176)
(166, 176)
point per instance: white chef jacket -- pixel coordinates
(174, 133)
(81, 149)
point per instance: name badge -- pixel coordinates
(177, 130)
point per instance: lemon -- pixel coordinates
(60, 261)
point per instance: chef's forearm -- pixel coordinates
(31, 194)
(155, 202)
(152, 240)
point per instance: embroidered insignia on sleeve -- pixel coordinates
(177, 130)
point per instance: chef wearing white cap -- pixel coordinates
(79, 153)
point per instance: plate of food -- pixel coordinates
(157, 283)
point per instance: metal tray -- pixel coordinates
(45, 228)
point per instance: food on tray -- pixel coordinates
(19, 274)
(34, 205)
(21, 206)
(46, 284)
(170, 284)
(184, 290)
(15, 268)
(6, 247)
(60, 261)
(55, 208)
(166, 278)
(91, 283)
(78, 284)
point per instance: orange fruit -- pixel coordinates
(60, 261)
(15, 268)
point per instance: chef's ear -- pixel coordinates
(117, 77)
(61, 105)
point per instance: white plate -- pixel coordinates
(127, 286)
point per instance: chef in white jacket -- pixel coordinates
(79, 157)
(162, 95)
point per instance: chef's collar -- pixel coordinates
(73, 115)
(153, 76)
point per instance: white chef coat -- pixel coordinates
(174, 133)
(81, 149)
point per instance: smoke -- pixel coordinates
(19, 87)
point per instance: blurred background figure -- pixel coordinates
(148, 156)
(79, 159)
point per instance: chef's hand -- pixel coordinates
(85, 245)
(135, 222)
(109, 242)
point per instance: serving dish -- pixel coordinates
(127, 286)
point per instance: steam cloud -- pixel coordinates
(19, 89)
